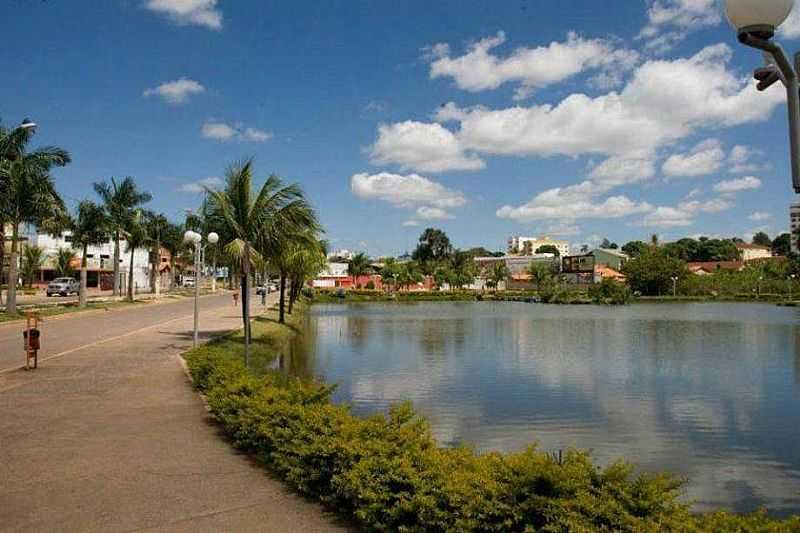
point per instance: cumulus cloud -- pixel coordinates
(665, 101)
(188, 12)
(222, 131)
(684, 213)
(410, 223)
(422, 147)
(572, 203)
(176, 92)
(740, 160)
(622, 170)
(480, 70)
(433, 213)
(409, 191)
(670, 21)
(760, 216)
(705, 158)
(200, 185)
(738, 185)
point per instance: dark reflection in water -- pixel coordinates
(709, 391)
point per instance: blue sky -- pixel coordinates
(579, 118)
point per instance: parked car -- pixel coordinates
(188, 282)
(267, 289)
(63, 287)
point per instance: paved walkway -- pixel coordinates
(111, 437)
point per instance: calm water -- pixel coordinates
(711, 391)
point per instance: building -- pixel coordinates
(751, 252)
(794, 225)
(517, 265)
(712, 267)
(99, 259)
(609, 258)
(528, 245)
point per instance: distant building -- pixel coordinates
(794, 225)
(528, 245)
(751, 252)
(610, 258)
(341, 254)
(711, 267)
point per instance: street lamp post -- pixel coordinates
(790, 279)
(674, 286)
(760, 279)
(755, 22)
(194, 238)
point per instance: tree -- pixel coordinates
(120, 200)
(499, 274)
(433, 246)
(762, 239)
(256, 225)
(27, 193)
(608, 245)
(306, 259)
(88, 229)
(172, 240)
(409, 273)
(357, 267)
(782, 245)
(155, 225)
(31, 262)
(635, 248)
(390, 270)
(64, 259)
(541, 274)
(136, 237)
(548, 249)
(651, 273)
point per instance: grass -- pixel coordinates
(55, 310)
(269, 340)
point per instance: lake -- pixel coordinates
(708, 391)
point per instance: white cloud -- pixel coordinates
(405, 191)
(480, 70)
(410, 223)
(423, 147)
(188, 12)
(176, 92)
(622, 170)
(433, 213)
(670, 21)
(740, 160)
(221, 131)
(683, 214)
(665, 101)
(705, 158)
(200, 185)
(562, 229)
(760, 216)
(737, 185)
(572, 203)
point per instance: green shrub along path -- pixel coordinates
(387, 473)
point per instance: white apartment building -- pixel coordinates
(794, 225)
(100, 259)
(528, 245)
(751, 252)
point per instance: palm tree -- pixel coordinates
(89, 228)
(357, 266)
(172, 240)
(31, 262)
(253, 223)
(64, 259)
(27, 193)
(120, 200)
(305, 260)
(135, 237)
(155, 224)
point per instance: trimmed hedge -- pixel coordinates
(388, 474)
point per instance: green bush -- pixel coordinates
(370, 285)
(610, 292)
(388, 474)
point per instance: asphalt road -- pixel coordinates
(72, 331)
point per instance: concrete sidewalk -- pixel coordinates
(113, 438)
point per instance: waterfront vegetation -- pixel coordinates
(386, 472)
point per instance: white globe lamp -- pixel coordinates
(213, 238)
(759, 18)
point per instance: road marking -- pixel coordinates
(101, 341)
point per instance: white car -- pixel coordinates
(63, 287)
(188, 282)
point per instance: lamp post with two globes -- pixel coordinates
(755, 22)
(194, 238)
